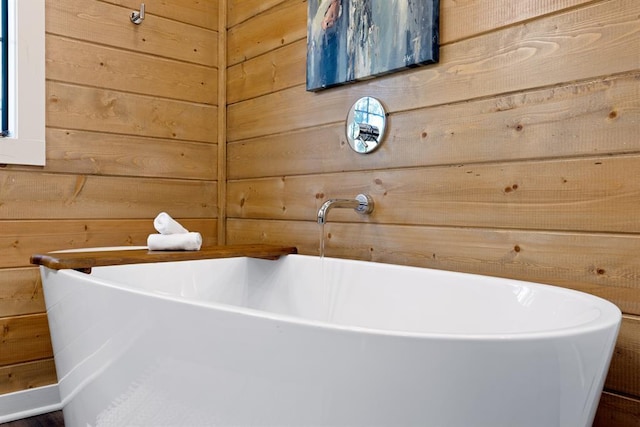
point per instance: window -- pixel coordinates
(4, 68)
(24, 99)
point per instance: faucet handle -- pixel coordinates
(365, 204)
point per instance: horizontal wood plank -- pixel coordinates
(239, 11)
(89, 196)
(591, 194)
(195, 12)
(24, 376)
(464, 19)
(24, 338)
(617, 411)
(94, 153)
(603, 265)
(274, 71)
(258, 34)
(519, 58)
(75, 61)
(109, 25)
(20, 292)
(624, 373)
(21, 239)
(100, 110)
(589, 118)
(88, 260)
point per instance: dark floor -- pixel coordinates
(52, 419)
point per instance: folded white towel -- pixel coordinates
(167, 225)
(175, 242)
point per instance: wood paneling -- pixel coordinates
(27, 375)
(624, 374)
(108, 24)
(275, 27)
(24, 338)
(241, 10)
(592, 194)
(79, 62)
(275, 70)
(62, 196)
(617, 411)
(196, 12)
(286, 66)
(514, 156)
(589, 118)
(131, 131)
(96, 153)
(458, 20)
(509, 60)
(464, 19)
(21, 292)
(222, 123)
(100, 110)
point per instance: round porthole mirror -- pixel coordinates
(366, 124)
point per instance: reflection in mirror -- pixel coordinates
(365, 125)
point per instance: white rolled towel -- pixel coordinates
(164, 224)
(175, 242)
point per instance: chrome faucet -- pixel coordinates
(363, 204)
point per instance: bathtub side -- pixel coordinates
(123, 354)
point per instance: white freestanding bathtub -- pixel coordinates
(306, 341)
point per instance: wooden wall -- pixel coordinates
(517, 155)
(131, 131)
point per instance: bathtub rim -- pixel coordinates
(610, 316)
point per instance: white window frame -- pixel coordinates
(25, 144)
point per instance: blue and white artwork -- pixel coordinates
(349, 40)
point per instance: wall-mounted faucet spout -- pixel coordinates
(363, 204)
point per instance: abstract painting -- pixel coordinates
(350, 40)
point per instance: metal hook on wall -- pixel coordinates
(138, 17)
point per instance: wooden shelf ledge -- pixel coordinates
(84, 261)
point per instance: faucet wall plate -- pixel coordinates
(366, 123)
